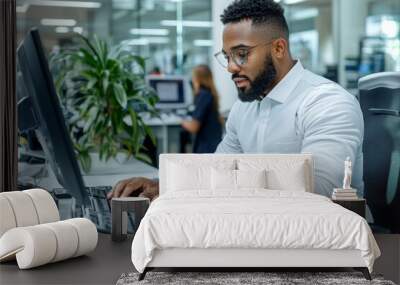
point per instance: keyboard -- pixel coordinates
(99, 211)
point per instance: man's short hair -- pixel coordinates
(260, 12)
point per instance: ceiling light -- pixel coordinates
(149, 32)
(157, 40)
(203, 43)
(78, 30)
(291, 2)
(58, 22)
(69, 4)
(146, 41)
(390, 28)
(22, 8)
(198, 24)
(304, 14)
(62, 30)
(135, 42)
(124, 4)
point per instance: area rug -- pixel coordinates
(243, 278)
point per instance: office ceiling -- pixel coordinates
(115, 18)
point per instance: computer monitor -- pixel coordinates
(173, 91)
(39, 109)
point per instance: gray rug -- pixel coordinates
(230, 278)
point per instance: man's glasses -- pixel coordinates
(238, 55)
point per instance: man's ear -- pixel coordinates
(279, 48)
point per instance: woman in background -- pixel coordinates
(206, 122)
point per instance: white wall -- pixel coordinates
(348, 26)
(323, 24)
(226, 88)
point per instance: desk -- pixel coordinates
(102, 173)
(166, 121)
(102, 266)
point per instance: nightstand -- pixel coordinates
(356, 205)
(119, 212)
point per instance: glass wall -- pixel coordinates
(344, 40)
(380, 48)
(173, 35)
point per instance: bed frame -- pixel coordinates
(256, 258)
(242, 258)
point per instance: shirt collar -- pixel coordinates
(286, 86)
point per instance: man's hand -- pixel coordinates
(137, 186)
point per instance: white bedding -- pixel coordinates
(252, 218)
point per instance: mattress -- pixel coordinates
(250, 219)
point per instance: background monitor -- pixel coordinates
(173, 91)
(39, 109)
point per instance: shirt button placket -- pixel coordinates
(262, 124)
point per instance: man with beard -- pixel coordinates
(283, 108)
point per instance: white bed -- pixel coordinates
(201, 226)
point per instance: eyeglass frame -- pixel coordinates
(230, 54)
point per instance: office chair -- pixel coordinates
(380, 104)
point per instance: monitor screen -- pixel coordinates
(171, 90)
(38, 95)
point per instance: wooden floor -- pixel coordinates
(110, 260)
(389, 262)
(102, 266)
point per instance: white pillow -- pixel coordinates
(251, 178)
(184, 175)
(281, 174)
(291, 178)
(225, 179)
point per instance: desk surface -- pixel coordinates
(110, 259)
(102, 173)
(102, 266)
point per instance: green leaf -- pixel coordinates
(101, 51)
(90, 46)
(105, 81)
(143, 157)
(135, 142)
(115, 123)
(89, 74)
(111, 64)
(120, 95)
(116, 51)
(149, 132)
(104, 51)
(88, 58)
(97, 82)
(134, 58)
(134, 121)
(92, 82)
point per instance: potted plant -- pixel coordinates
(103, 89)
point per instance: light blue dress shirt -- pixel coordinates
(303, 113)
